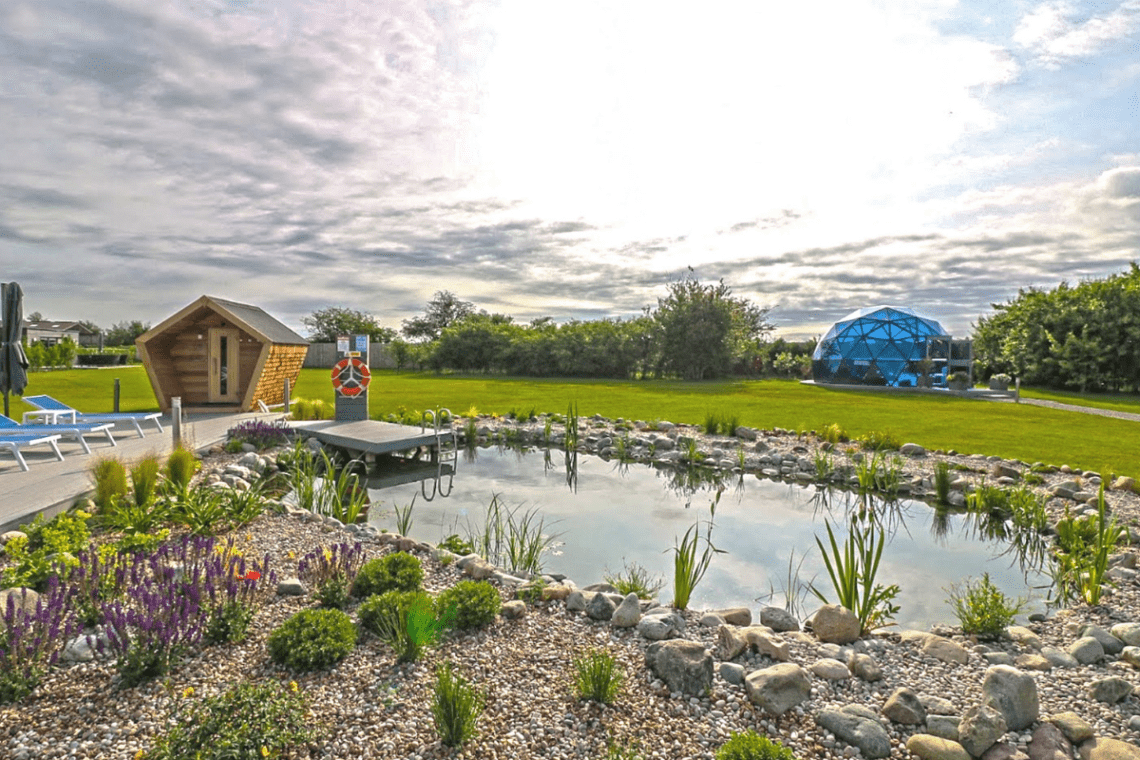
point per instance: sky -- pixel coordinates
(564, 159)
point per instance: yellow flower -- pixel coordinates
(248, 536)
(328, 554)
(292, 555)
(188, 692)
(140, 755)
(264, 751)
(293, 686)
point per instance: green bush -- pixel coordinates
(457, 545)
(751, 746)
(247, 720)
(376, 608)
(476, 603)
(60, 538)
(110, 476)
(598, 677)
(398, 571)
(635, 579)
(455, 707)
(879, 440)
(313, 639)
(982, 608)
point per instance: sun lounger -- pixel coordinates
(53, 412)
(16, 443)
(69, 431)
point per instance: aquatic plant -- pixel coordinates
(404, 517)
(1081, 554)
(942, 481)
(981, 607)
(853, 570)
(635, 579)
(688, 567)
(512, 538)
(571, 426)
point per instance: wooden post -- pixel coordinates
(116, 409)
(176, 420)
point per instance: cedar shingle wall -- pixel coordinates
(283, 362)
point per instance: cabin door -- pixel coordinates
(223, 366)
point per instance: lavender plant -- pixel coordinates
(260, 434)
(332, 571)
(233, 587)
(31, 640)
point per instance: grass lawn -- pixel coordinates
(1010, 430)
(1117, 402)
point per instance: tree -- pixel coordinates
(703, 329)
(443, 310)
(124, 333)
(326, 324)
(35, 316)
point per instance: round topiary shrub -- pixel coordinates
(751, 746)
(398, 571)
(312, 639)
(378, 607)
(475, 603)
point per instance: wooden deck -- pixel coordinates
(50, 486)
(372, 436)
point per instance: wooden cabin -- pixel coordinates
(220, 355)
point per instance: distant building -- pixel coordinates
(49, 333)
(889, 345)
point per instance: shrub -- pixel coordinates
(144, 479)
(110, 476)
(834, 434)
(379, 606)
(398, 571)
(455, 707)
(751, 746)
(598, 677)
(879, 440)
(179, 471)
(59, 538)
(454, 543)
(247, 720)
(312, 639)
(982, 608)
(476, 603)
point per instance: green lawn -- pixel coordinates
(1117, 402)
(1014, 431)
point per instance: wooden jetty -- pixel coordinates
(374, 437)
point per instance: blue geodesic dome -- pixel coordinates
(881, 345)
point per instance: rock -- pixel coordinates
(1024, 636)
(684, 666)
(912, 450)
(1087, 650)
(741, 616)
(25, 600)
(1109, 749)
(8, 535)
(1003, 751)
(945, 650)
(980, 728)
(732, 673)
(556, 591)
(930, 747)
(903, 706)
(730, 642)
(654, 629)
(577, 600)
(1111, 644)
(778, 688)
(605, 588)
(746, 433)
(1124, 483)
(832, 670)
(1032, 662)
(628, 613)
(778, 619)
(479, 570)
(943, 726)
(1111, 690)
(1075, 728)
(291, 587)
(858, 730)
(711, 620)
(1003, 470)
(1131, 655)
(997, 658)
(767, 643)
(863, 666)
(835, 624)
(1048, 743)
(79, 649)
(1012, 692)
(601, 607)
(513, 610)
(1058, 658)
(937, 705)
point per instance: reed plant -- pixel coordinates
(455, 706)
(942, 481)
(824, 465)
(404, 517)
(597, 677)
(470, 433)
(877, 473)
(512, 538)
(853, 569)
(689, 567)
(1082, 551)
(635, 579)
(834, 434)
(721, 423)
(571, 426)
(342, 493)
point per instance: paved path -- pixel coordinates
(1082, 409)
(51, 486)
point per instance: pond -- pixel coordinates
(607, 515)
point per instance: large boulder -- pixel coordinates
(778, 688)
(24, 599)
(1112, 689)
(930, 747)
(1111, 644)
(1048, 743)
(767, 643)
(778, 619)
(903, 706)
(1109, 749)
(1012, 692)
(684, 666)
(836, 625)
(980, 728)
(857, 726)
(628, 613)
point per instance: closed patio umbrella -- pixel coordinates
(13, 362)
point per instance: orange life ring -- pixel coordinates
(350, 377)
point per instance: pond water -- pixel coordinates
(608, 514)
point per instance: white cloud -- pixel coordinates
(1052, 32)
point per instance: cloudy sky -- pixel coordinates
(563, 158)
